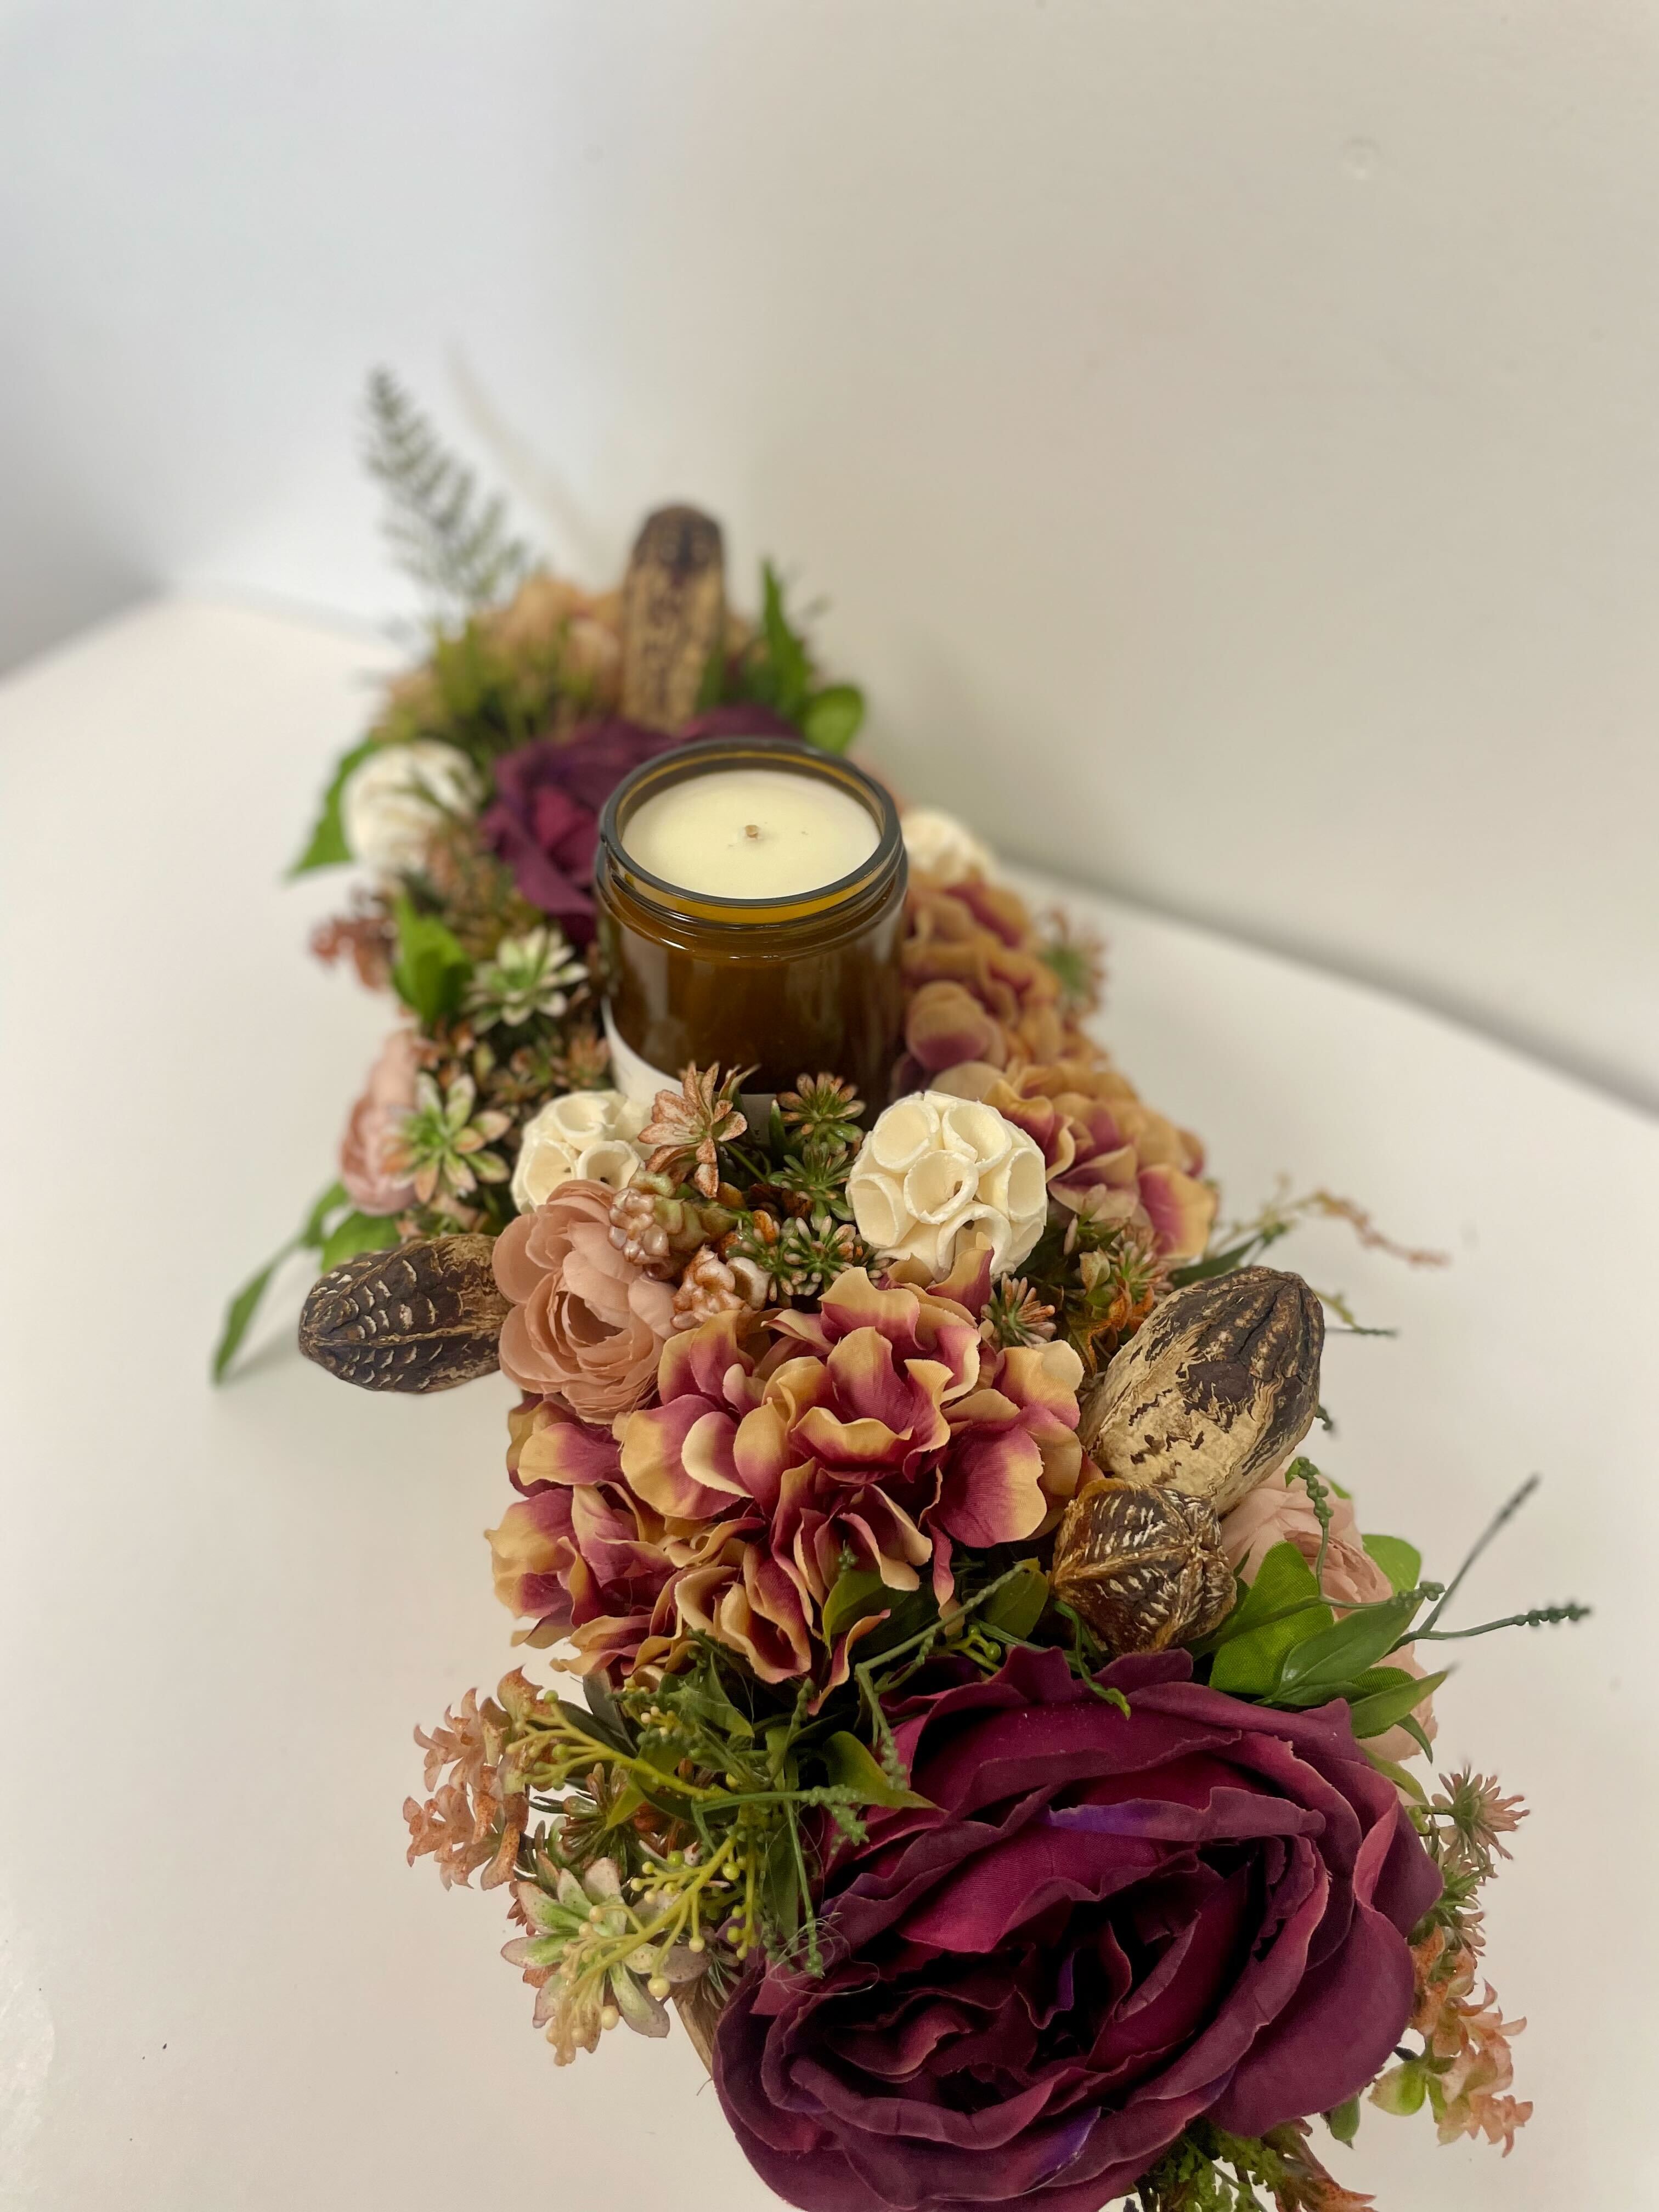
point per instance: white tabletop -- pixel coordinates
(220, 1613)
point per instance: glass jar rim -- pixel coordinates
(794, 756)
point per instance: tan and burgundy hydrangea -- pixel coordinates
(1106, 1152)
(878, 1433)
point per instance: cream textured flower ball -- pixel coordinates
(936, 1169)
(941, 847)
(587, 1136)
(392, 799)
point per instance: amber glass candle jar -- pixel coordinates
(791, 982)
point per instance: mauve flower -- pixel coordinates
(1106, 1152)
(578, 1557)
(1279, 1511)
(373, 1123)
(1004, 1000)
(879, 1430)
(545, 819)
(1098, 1929)
(587, 1324)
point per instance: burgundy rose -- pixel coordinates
(1100, 1927)
(545, 819)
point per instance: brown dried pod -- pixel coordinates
(424, 1315)
(673, 615)
(1216, 1391)
(700, 2006)
(1143, 1565)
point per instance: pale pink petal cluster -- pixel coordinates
(373, 1125)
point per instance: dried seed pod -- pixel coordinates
(1216, 1391)
(700, 2005)
(424, 1315)
(673, 615)
(1143, 1565)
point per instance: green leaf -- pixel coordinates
(431, 970)
(240, 1313)
(790, 666)
(1418, 1734)
(602, 1705)
(1401, 1777)
(358, 1232)
(625, 1807)
(314, 1234)
(832, 718)
(780, 1885)
(1343, 2121)
(1281, 1609)
(1018, 1607)
(1338, 1654)
(857, 1591)
(852, 1765)
(1402, 1563)
(328, 847)
(1387, 1709)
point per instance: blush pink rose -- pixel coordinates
(586, 1326)
(375, 1120)
(1280, 1512)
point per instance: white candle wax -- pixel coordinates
(750, 833)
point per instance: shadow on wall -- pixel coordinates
(57, 574)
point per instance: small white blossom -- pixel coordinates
(392, 801)
(943, 847)
(587, 1134)
(936, 1169)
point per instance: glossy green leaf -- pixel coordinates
(832, 718)
(1336, 1655)
(358, 1232)
(789, 667)
(240, 1313)
(1401, 1776)
(1281, 1609)
(1402, 1563)
(852, 1765)
(1018, 1607)
(1387, 1709)
(315, 1232)
(431, 970)
(328, 847)
(1343, 2120)
(857, 1591)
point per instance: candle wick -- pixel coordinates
(751, 830)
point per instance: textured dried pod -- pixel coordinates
(1143, 1565)
(673, 615)
(424, 1315)
(1216, 1391)
(700, 2005)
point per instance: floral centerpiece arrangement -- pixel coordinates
(997, 1742)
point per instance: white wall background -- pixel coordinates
(1228, 429)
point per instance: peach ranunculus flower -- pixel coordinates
(587, 1324)
(878, 1433)
(1279, 1511)
(374, 1121)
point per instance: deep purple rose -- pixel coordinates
(1100, 1929)
(545, 819)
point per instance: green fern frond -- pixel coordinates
(453, 541)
